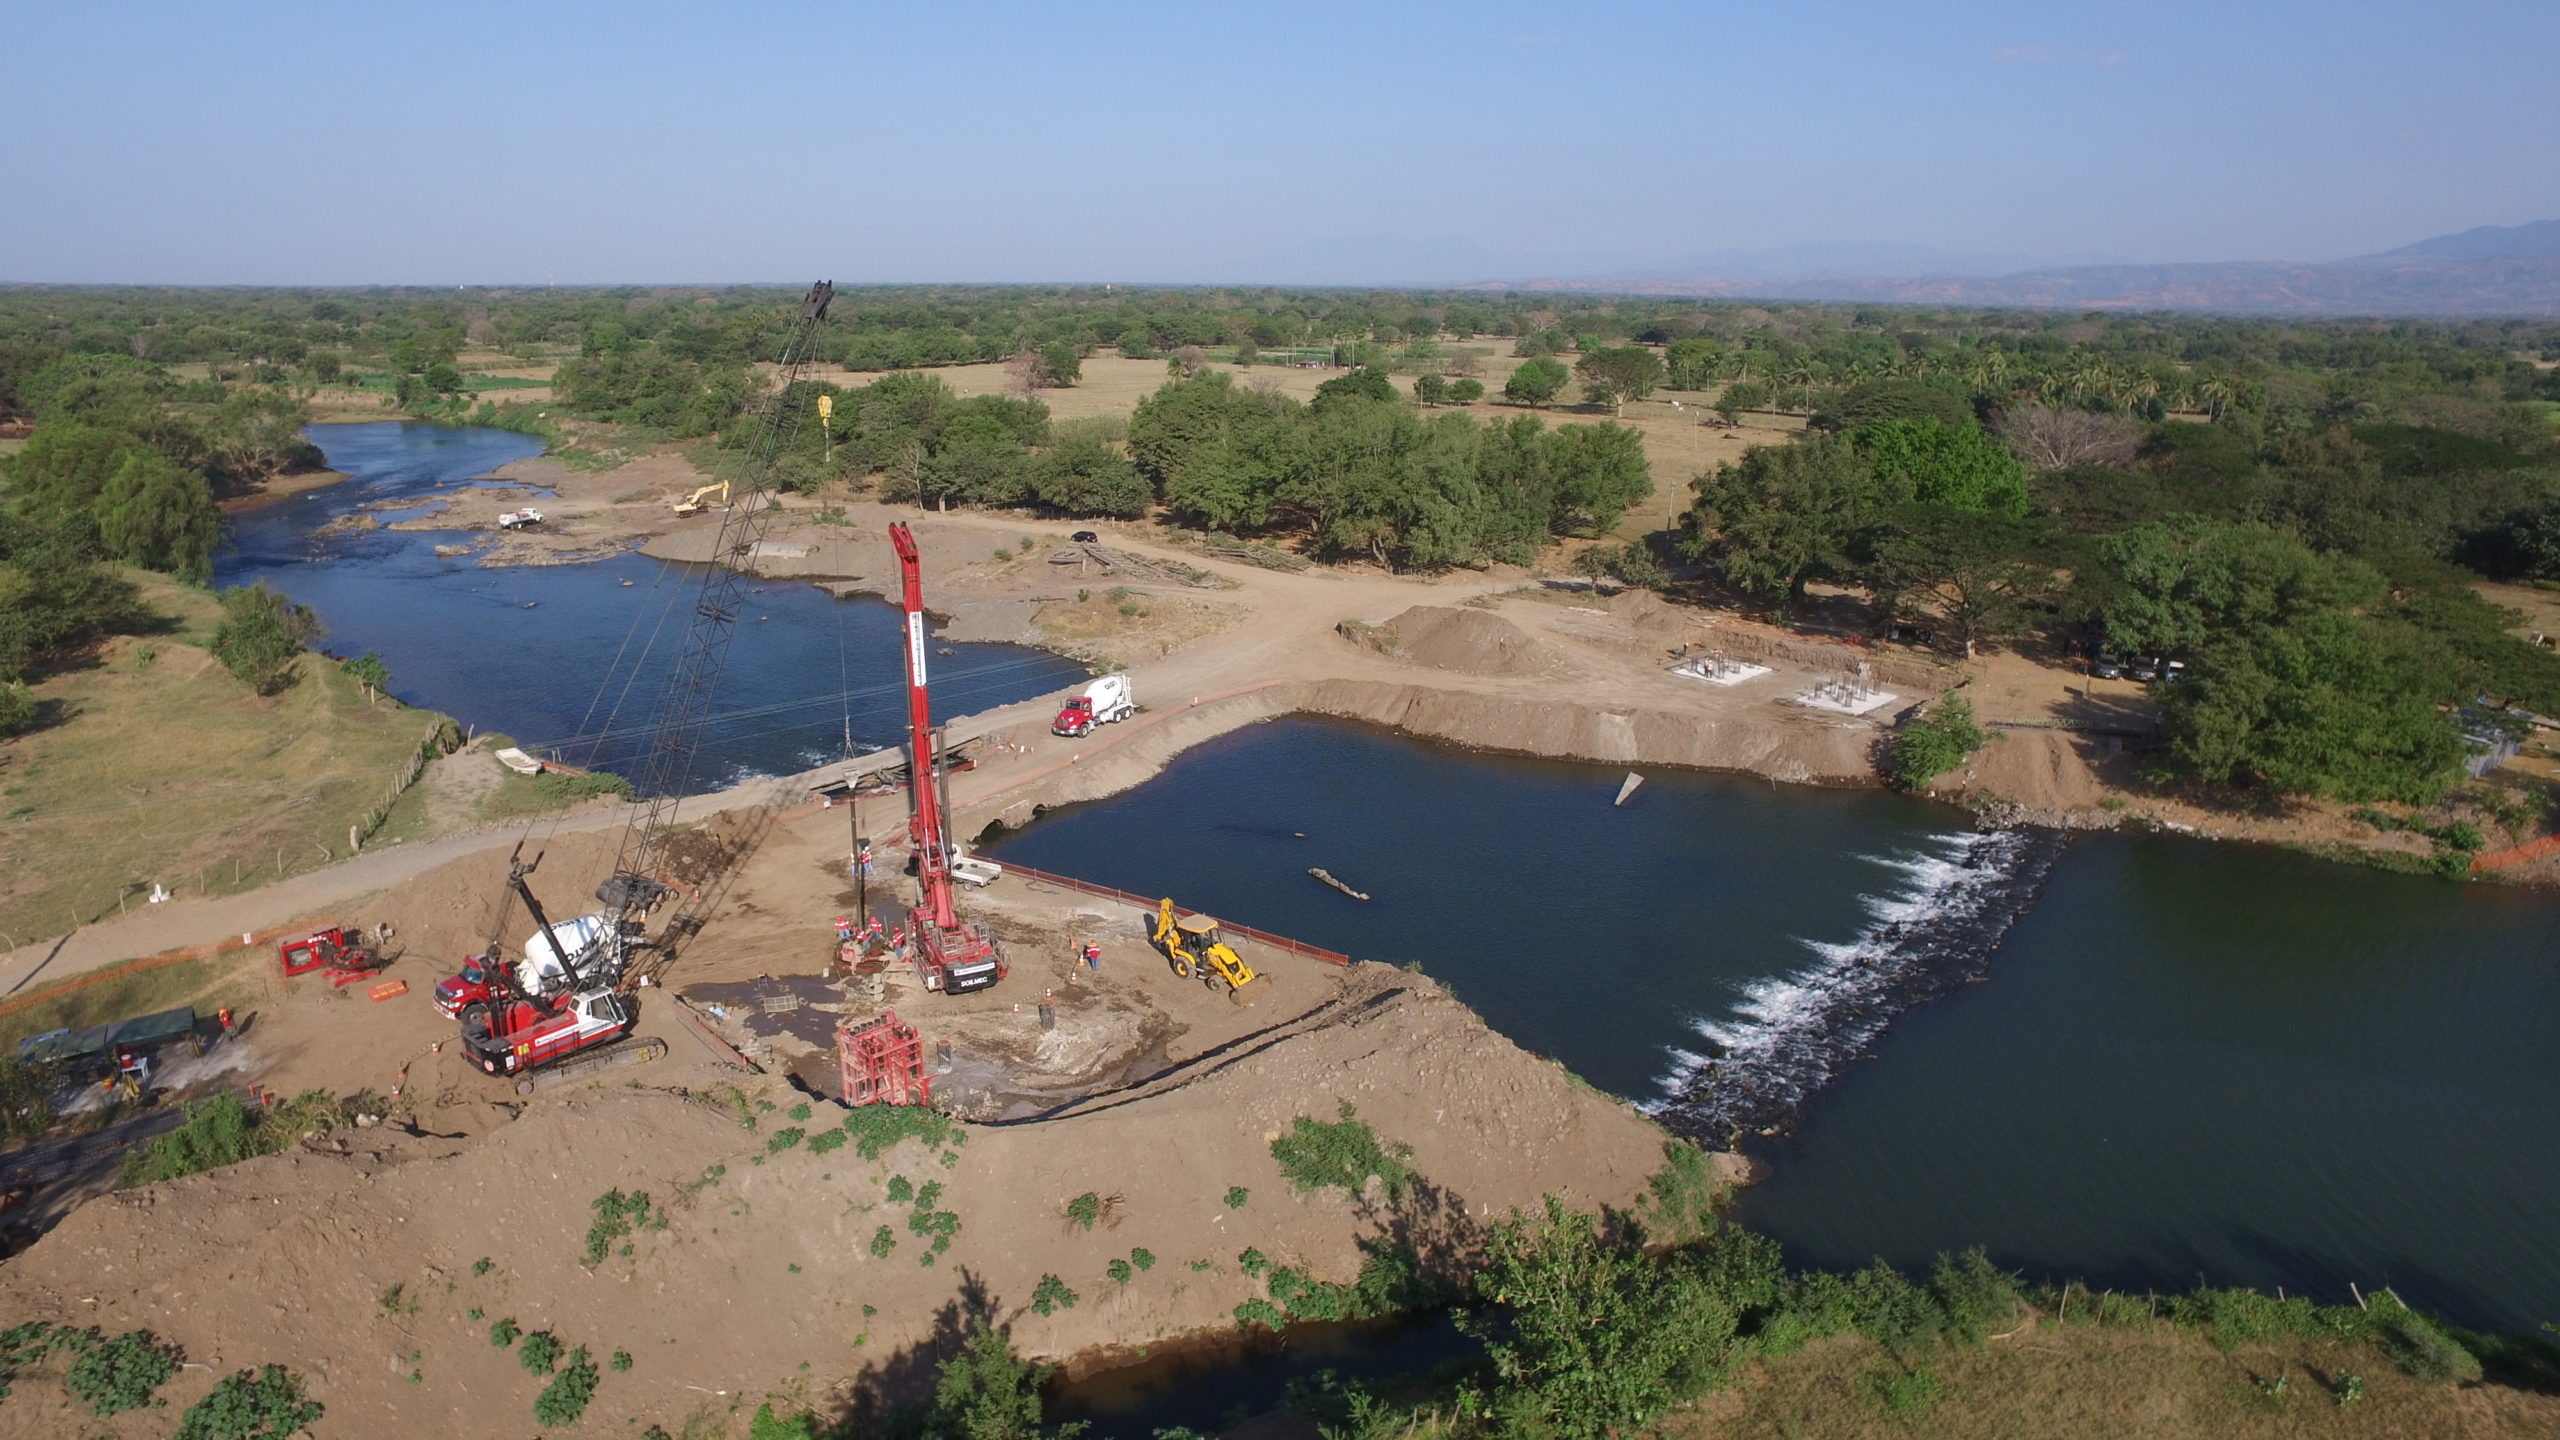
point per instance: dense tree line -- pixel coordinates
(2310, 563)
(1359, 472)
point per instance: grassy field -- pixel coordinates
(156, 765)
(236, 978)
(2082, 1381)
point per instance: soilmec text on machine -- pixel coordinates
(1099, 703)
(952, 955)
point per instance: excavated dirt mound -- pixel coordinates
(358, 1259)
(1476, 641)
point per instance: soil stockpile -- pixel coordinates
(1476, 641)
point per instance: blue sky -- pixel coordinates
(477, 143)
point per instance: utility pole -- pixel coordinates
(861, 860)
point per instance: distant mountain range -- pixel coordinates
(2492, 270)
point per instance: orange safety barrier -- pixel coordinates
(1087, 887)
(149, 963)
(388, 989)
(2500, 860)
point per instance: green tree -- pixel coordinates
(160, 516)
(986, 1392)
(1978, 573)
(260, 635)
(1064, 366)
(1588, 1336)
(1431, 389)
(2181, 581)
(1536, 382)
(1935, 743)
(1219, 488)
(1941, 464)
(1082, 474)
(1739, 397)
(1614, 377)
(1693, 363)
(1363, 383)
(1598, 470)
(2327, 706)
(1465, 390)
(1784, 515)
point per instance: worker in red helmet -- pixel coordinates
(1093, 956)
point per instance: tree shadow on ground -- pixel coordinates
(906, 1379)
(1429, 1225)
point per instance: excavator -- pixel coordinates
(1191, 942)
(692, 504)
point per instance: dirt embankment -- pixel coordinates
(769, 1274)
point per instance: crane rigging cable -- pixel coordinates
(665, 765)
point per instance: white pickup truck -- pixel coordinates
(519, 519)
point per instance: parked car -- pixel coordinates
(2145, 668)
(1085, 537)
(2106, 664)
(2173, 672)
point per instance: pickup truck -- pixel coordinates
(519, 519)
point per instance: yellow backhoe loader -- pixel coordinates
(1191, 942)
(692, 504)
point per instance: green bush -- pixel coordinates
(1085, 1209)
(268, 1405)
(825, 1140)
(219, 1132)
(569, 1393)
(2418, 1346)
(617, 1215)
(784, 1139)
(1052, 1295)
(115, 1374)
(1936, 743)
(1119, 1271)
(901, 1190)
(503, 1333)
(883, 1240)
(1344, 1153)
(875, 1128)
(540, 1352)
(986, 1392)
(1236, 1196)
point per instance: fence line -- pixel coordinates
(1263, 937)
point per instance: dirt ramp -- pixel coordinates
(1476, 641)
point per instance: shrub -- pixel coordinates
(617, 1215)
(1052, 1295)
(621, 1361)
(1345, 1153)
(1936, 743)
(1119, 1271)
(266, 1406)
(1085, 1209)
(114, 1375)
(2417, 1346)
(260, 634)
(220, 1131)
(1144, 1259)
(901, 1190)
(1236, 1196)
(567, 1396)
(875, 1128)
(986, 1392)
(540, 1353)
(504, 1332)
(825, 1140)
(883, 1240)
(784, 1139)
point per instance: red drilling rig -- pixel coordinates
(952, 955)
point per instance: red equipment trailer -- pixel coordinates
(951, 955)
(345, 959)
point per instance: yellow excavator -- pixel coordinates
(692, 504)
(1191, 942)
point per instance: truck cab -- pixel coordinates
(520, 1034)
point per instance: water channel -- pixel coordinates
(549, 654)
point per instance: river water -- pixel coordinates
(570, 658)
(2182, 1058)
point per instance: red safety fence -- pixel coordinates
(1260, 937)
(2516, 855)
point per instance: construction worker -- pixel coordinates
(1093, 956)
(222, 1017)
